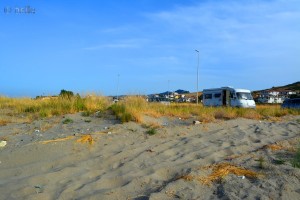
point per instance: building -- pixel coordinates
(274, 96)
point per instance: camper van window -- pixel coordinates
(231, 95)
(244, 95)
(218, 95)
(208, 96)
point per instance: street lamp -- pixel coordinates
(168, 90)
(118, 88)
(197, 74)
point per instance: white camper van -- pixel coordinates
(228, 96)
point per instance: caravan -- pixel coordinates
(228, 96)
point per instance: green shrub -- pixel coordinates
(261, 162)
(30, 109)
(118, 108)
(66, 94)
(67, 121)
(126, 117)
(151, 131)
(79, 103)
(86, 113)
(44, 113)
(279, 161)
(121, 113)
(296, 160)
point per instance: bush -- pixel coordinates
(79, 103)
(67, 121)
(151, 131)
(121, 113)
(30, 109)
(86, 113)
(66, 94)
(126, 117)
(296, 161)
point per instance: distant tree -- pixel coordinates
(66, 94)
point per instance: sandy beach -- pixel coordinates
(100, 158)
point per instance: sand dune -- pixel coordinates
(126, 163)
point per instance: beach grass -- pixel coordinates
(30, 109)
(132, 108)
(136, 107)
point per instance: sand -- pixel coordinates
(99, 158)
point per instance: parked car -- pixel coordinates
(291, 103)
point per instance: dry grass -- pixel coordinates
(83, 139)
(223, 169)
(219, 172)
(4, 122)
(32, 109)
(288, 146)
(136, 107)
(4, 138)
(86, 139)
(152, 125)
(274, 147)
(57, 140)
(131, 109)
(187, 177)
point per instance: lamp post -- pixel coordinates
(118, 88)
(197, 74)
(168, 90)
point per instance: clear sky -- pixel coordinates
(83, 45)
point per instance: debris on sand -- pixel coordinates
(3, 143)
(274, 147)
(196, 122)
(57, 140)
(86, 139)
(220, 171)
(187, 177)
(83, 139)
(223, 169)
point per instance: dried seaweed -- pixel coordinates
(57, 140)
(86, 139)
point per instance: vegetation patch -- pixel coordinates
(151, 131)
(86, 139)
(274, 147)
(67, 121)
(261, 162)
(151, 125)
(121, 112)
(219, 171)
(43, 107)
(132, 108)
(279, 161)
(135, 107)
(296, 160)
(86, 113)
(4, 122)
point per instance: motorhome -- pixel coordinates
(228, 96)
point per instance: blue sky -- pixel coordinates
(83, 45)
